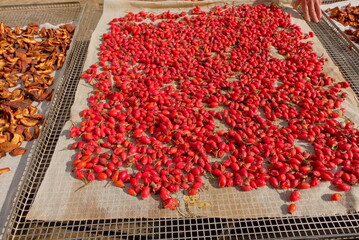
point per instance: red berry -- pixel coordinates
(292, 208)
(336, 197)
(120, 184)
(132, 191)
(303, 185)
(145, 192)
(295, 196)
(171, 203)
(164, 194)
(222, 181)
(343, 187)
(101, 176)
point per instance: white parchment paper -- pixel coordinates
(59, 197)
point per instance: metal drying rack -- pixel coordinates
(321, 227)
(331, 22)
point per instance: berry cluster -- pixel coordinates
(165, 83)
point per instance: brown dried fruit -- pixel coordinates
(12, 128)
(2, 28)
(69, 27)
(17, 139)
(3, 170)
(3, 139)
(32, 110)
(27, 134)
(2, 64)
(29, 122)
(19, 104)
(347, 17)
(348, 32)
(18, 151)
(28, 57)
(4, 93)
(7, 147)
(17, 95)
(36, 133)
(19, 129)
(18, 30)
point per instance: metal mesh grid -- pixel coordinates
(40, 13)
(321, 227)
(340, 49)
(336, 29)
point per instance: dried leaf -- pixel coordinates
(204, 204)
(191, 200)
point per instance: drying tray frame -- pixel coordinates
(41, 13)
(344, 226)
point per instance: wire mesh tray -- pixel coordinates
(53, 14)
(22, 15)
(339, 32)
(338, 226)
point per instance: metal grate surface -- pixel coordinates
(340, 49)
(321, 227)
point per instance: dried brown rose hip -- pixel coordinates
(28, 57)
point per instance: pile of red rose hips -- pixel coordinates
(165, 83)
